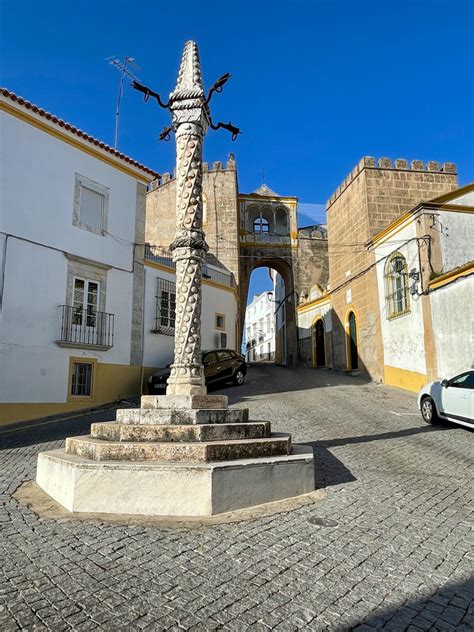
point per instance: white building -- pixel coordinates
(425, 282)
(78, 303)
(260, 328)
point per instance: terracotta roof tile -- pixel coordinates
(74, 130)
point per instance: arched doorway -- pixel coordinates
(319, 350)
(353, 354)
(283, 310)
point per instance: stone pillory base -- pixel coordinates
(176, 456)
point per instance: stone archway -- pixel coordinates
(289, 302)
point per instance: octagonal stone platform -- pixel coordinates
(173, 489)
(176, 456)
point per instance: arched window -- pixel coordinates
(396, 286)
(261, 225)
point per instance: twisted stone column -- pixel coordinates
(190, 117)
(189, 248)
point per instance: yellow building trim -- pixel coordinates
(446, 197)
(82, 398)
(220, 286)
(113, 383)
(454, 208)
(160, 266)
(402, 378)
(313, 338)
(347, 331)
(317, 302)
(451, 276)
(95, 153)
(267, 198)
(218, 315)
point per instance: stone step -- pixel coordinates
(198, 452)
(163, 416)
(112, 431)
(184, 402)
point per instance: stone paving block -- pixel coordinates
(397, 489)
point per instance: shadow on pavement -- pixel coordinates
(329, 470)
(447, 608)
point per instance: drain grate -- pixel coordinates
(322, 522)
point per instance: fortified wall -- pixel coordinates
(372, 196)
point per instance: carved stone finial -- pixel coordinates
(433, 165)
(187, 99)
(190, 75)
(417, 165)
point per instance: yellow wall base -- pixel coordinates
(113, 382)
(408, 380)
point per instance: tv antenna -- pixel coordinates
(123, 67)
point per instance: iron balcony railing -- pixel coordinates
(84, 326)
(158, 255)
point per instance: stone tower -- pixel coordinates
(372, 196)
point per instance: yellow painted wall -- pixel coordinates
(408, 380)
(113, 382)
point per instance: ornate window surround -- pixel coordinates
(397, 295)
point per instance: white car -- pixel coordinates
(449, 399)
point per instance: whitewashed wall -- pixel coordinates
(452, 309)
(403, 337)
(33, 367)
(158, 348)
(457, 238)
(37, 182)
(306, 319)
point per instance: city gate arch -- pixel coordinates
(268, 238)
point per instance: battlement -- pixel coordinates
(165, 178)
(400, 164)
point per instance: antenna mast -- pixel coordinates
(123, 67)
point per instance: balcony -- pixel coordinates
(265, 238)
(86, 329)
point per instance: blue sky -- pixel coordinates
(315, 84)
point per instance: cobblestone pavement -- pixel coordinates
(388, 548)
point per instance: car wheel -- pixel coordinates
(239, 377)
(428, 410)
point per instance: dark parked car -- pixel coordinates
(220, 365)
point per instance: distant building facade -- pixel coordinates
(260, 328)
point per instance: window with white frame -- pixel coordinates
(165, 315)
(91, 201)
(396, 286)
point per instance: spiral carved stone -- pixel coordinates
(189, 247)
